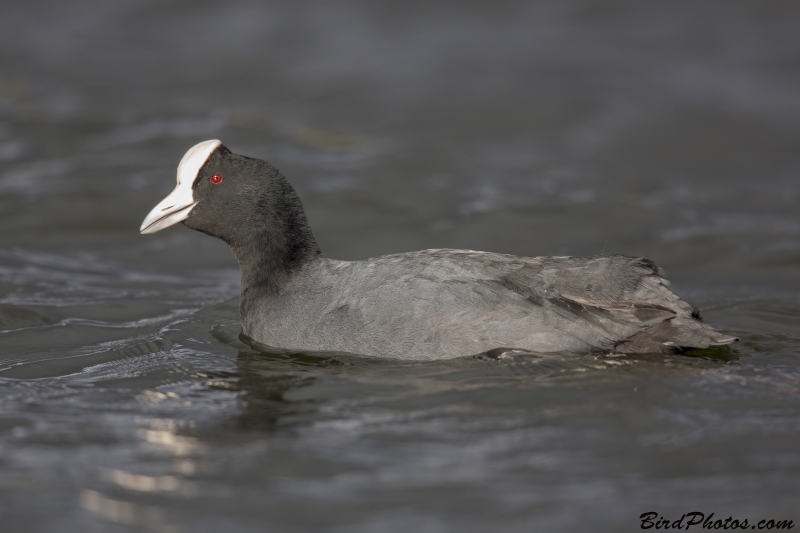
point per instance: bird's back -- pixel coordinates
(438, 304)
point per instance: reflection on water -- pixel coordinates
(128, 399)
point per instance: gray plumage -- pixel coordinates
(433, 304)
(437, 304)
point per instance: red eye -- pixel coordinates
(216, 178)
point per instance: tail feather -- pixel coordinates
(677, 334)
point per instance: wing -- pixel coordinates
(613, 302)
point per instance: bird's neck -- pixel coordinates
(274, 250)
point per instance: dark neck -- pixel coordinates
(267, 266)
(276, 245)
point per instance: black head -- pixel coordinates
(243, 201)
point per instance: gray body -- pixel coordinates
(433, 304)
(438, 304)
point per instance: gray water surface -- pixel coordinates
(128, 400)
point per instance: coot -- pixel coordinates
(432, 304)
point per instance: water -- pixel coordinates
(128, 402)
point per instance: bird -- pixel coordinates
(423, 305)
